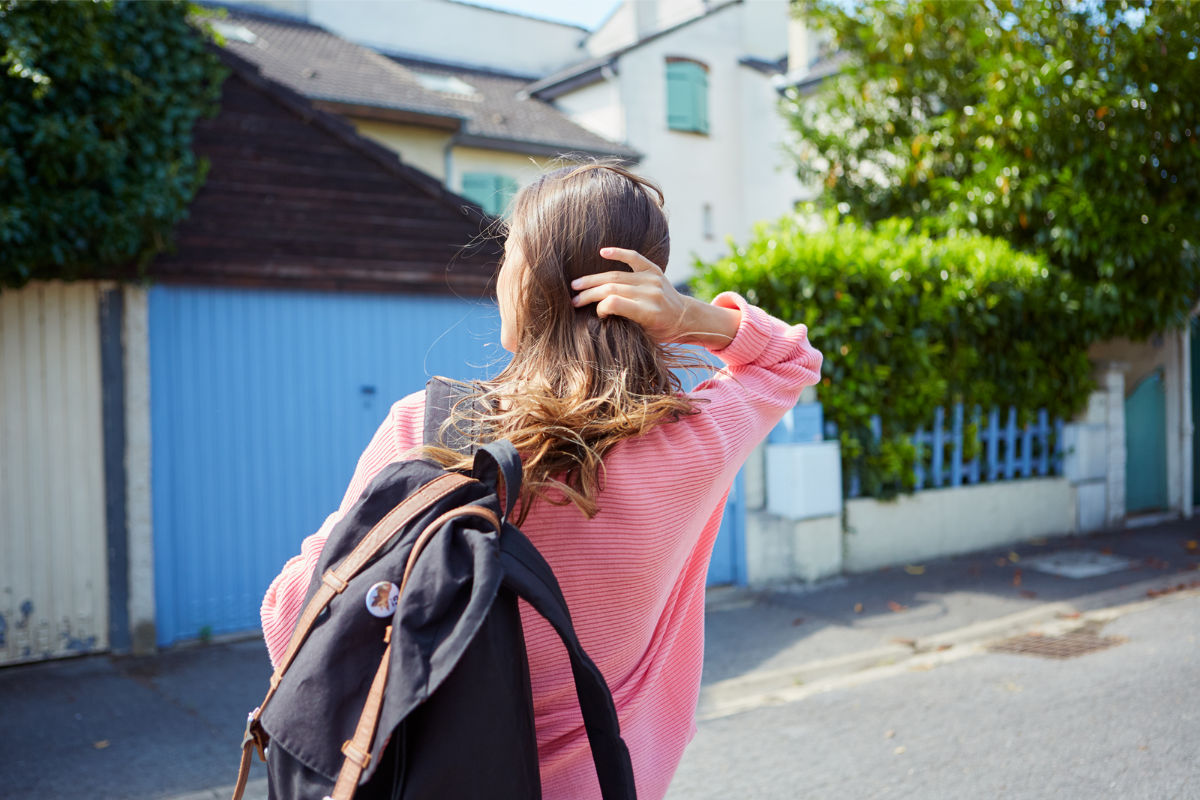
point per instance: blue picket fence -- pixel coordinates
(1002, 451)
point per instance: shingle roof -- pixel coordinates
(500, 110)
(323, 66)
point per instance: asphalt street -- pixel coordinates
(1119, 723)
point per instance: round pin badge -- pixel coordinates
(382, 599)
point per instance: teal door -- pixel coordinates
(1146, 446)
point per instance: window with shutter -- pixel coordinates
(489, 190)
(687, 96)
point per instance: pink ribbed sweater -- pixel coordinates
(634, 575)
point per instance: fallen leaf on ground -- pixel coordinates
(900, 749)
(942, 647)
(914, 570)
(1172, 589)
(1027, 593)
(1143, 747)
(1072, 615)
(1017, 578)
(921, 668)
(797, 621)
(1107, 551)
(100, 745)
(858, 608)
(1192, 546)
(889, 734)
(903, 641)
(1013, 557)
(896, 607)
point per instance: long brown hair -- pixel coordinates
(577, 384)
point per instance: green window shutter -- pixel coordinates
(506, 187)
(489, 190)
(687, 97)
(480, 188)
(700, 93)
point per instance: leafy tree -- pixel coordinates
(1069, 128)
(97, 105)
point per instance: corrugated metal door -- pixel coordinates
(728, 564)
(53, 563)
(261, 403)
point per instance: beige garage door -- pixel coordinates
(53, 585)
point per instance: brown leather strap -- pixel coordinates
(433, 527)
(358, 749)
(243, 772)
(335, 581)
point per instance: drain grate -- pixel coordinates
(1069, 645)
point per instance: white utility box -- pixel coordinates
(804, 479)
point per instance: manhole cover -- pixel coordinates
(1078, 563)
(1069, 645)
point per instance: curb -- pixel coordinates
(775, 687)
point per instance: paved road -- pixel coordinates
(145, 729)
(1121, 723)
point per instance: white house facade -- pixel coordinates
(689, 86)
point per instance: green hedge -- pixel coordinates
(97, 105)
(908, 323)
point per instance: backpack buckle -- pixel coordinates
(351, 751)
(334, 581)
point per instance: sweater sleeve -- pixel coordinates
(282, 604)
(767, 365)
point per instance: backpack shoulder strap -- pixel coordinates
(527, 573)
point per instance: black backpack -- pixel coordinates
(406, 675)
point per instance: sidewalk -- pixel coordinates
(170, 726)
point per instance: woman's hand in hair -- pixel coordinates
(648, 298)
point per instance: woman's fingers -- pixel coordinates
(633, 258)
(601, 278)
(597, 293)
(619, 306)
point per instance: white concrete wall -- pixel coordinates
(598, 108)
(138, 493)
(442, 30)
(945, 522)
(780, 549)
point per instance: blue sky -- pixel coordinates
(586, 13)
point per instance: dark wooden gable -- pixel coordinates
(296, 198)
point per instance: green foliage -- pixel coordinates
(909, 322)
(97, 105)
(1067, 128)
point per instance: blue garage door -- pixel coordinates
(728, 564)
(262, 402)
